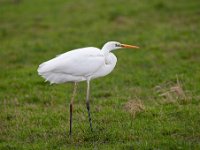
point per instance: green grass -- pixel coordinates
(35, 115)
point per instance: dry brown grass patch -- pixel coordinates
(134, 107)
(172, 92)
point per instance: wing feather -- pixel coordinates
(79, 62)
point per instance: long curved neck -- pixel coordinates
(106, 49)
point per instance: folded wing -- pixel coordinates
(73, 65)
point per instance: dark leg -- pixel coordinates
(88, 103)
(71, 108)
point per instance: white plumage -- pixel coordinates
(80, 65)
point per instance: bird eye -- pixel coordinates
(117, 45)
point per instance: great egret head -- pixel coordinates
(113, 45)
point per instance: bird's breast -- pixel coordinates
(107, 67)
(110, 59)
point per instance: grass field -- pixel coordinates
(150, 101)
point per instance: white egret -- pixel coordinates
(83, 64)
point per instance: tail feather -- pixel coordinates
(54, 77)
(48, 74)
(42, 68)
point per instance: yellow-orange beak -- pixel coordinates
(128, 46)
